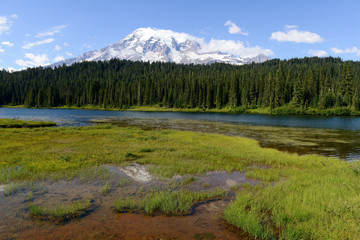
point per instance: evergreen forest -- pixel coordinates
(294, 86)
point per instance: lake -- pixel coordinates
(329, 136)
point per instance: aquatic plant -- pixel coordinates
(29, 196)
(60, 213)
(105, 189)
(124, 205)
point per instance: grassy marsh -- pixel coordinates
(16, 123)
(310, 197)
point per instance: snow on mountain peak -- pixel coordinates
(151, 44)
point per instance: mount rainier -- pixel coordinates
(149, 44)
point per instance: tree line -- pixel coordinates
(318, 83)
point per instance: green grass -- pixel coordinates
(167, 202)
(105, 189)
(308, 197)
(29, 196)
(15, 123)
(312, 203)
(146, 150)
(265, 175)
(60, 213)
(200, 236)
(13, 188)
(124, 205)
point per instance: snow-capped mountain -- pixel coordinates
(148, 44)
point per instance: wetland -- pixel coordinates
(154, 176)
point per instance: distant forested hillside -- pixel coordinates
(317, 83)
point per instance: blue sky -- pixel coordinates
(34, 33)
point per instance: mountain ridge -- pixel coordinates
(150, 44)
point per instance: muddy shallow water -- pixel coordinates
(102, 222)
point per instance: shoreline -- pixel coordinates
(284, 110)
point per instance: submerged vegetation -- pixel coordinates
(301, 197)
(315, 86)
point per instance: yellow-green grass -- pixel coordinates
(168, 202)
(16, 123)
(60, 212)
(303, 197)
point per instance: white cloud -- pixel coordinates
(57, 48)
(7, 43)
(69, 54)
(6, 22)
(294, 35)
(318, 53)
(236, 48)
(33, 60)
(347, 50)
(51, 31)
(287, 26)
(233, 29)
(59, 58)
(1, 50)
(66, 44)
(86, 46)
(30, 45)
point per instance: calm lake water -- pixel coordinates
(329, 136)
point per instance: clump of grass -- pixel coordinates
(60, 213)
(124, 205)
(266, 175)
(106, 188)
(184, 182)
(130, 155)
(29, 196)
(176, 201)
(187, 181)
(200, 236)
(146, 150)
(167, 202)
(355, 166)
(13, 188)
(240, 214)
(65, 158)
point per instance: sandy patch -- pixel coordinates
(137, 172)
